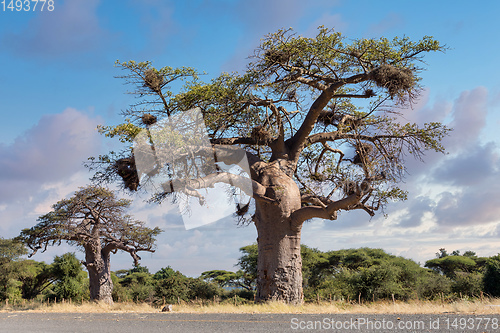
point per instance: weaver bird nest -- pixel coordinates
(395, 80)
(153, 80)
(276, 57)
(261, 135)
(148, 119)
(125, 168)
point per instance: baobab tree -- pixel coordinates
(94, 219)
(319, 120)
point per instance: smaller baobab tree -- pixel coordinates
(94, 219)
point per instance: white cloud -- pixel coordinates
(50, 151)
(44, 165)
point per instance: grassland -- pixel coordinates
(486, 306)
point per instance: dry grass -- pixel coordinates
(85, 307)
(412, 307)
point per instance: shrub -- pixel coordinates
(491, 277)
(467, 284)
(432, 285)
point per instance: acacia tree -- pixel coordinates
(93, 218)
(319, 121)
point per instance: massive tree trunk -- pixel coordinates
(97, 263)
(279, 268)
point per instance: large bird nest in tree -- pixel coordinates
(148, 119)
(327, 118)
(396, 80)
(274, 56)
(343, 122)
(261, 135)
(153, 80)
(125, 168)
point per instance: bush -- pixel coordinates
(172, 289)
(366, 273)
(137, 285)
(467, 284)
(70, 277)
(432, 285)
(491, 277)
(164, 273)
(239, 293)
(200, 289)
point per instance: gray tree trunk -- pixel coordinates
(100, 283)
(279, 267)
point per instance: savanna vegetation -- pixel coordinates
(94, 220)
(359, 275)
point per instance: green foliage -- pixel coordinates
(470, 254)
(139, 269)
(467, 284)
(374, 274)
(248, 266)
(10, 267)
(220, 277)
(366, 273)
(9, 284)
(450, 265)
(126, 132)
(433, 286)
(11, 249)
(181, 288)
(164, 273)
(139, 286)
(135, 284)
(314, 265)
(343, 274)
(200, 289)
(173, 288)
(465, 272)
(70, 277)
(67, 265)
(165, 285)
(491, 278)
(63, 279)
(35, 277)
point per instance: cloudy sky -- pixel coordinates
(57, 84)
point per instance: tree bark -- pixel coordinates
(100, 283)
(279, 267)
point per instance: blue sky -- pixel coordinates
(57, 83)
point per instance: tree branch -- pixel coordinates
(249, 186)
(329, 212)
(234, 141)
(327, 209)
(297, 142)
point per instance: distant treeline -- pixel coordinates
(355, 274)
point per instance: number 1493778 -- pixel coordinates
(27, 5)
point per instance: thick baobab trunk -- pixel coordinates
(101, 285)
(279, 268)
